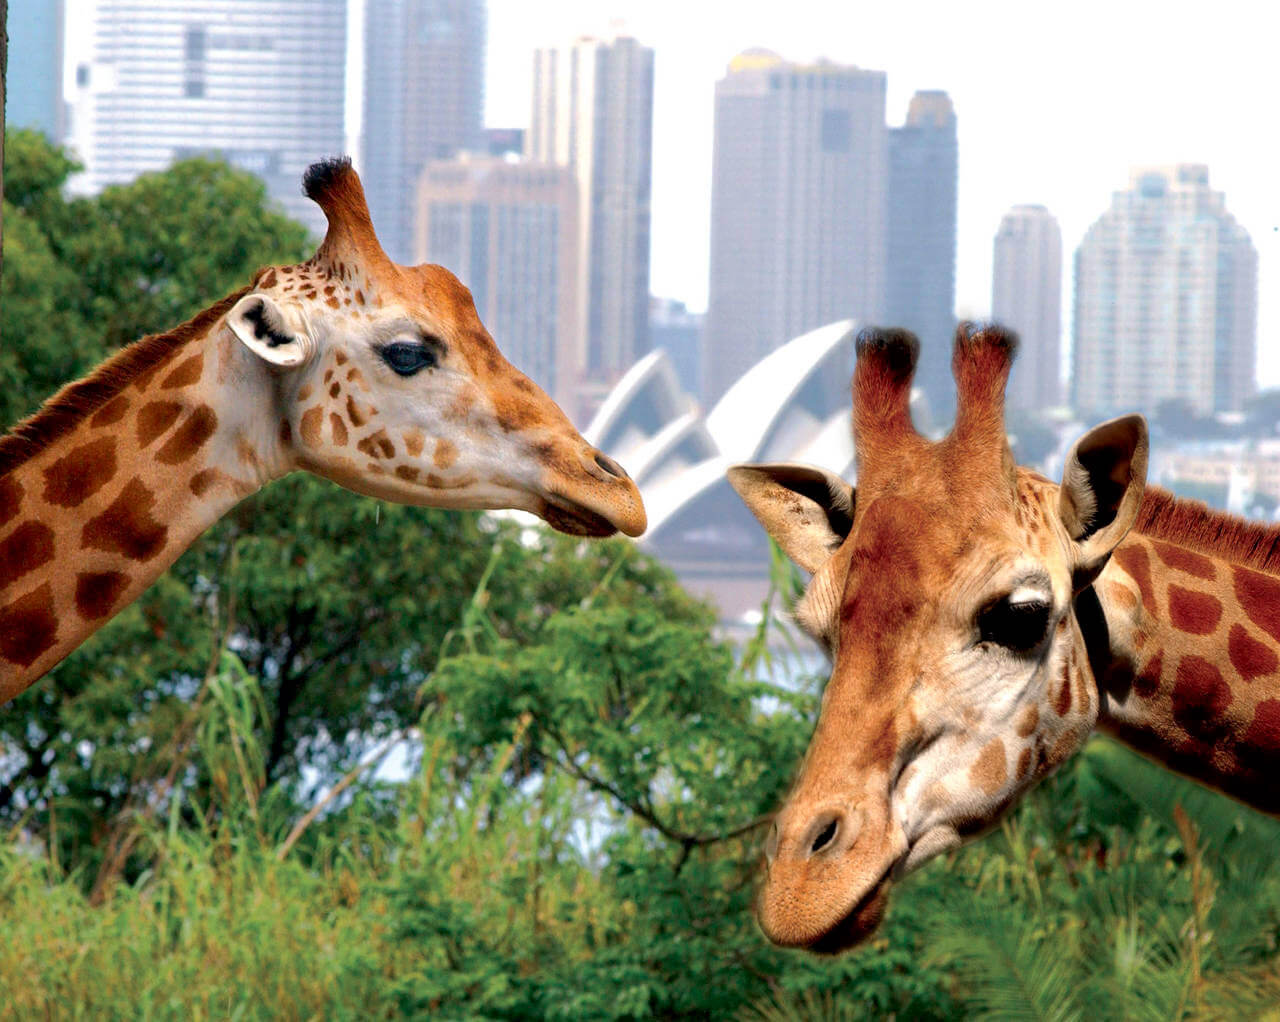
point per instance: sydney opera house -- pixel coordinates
(794, 405)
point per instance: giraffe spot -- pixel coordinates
(305, 392)
(1133, 559)
(185, 374)
(155, 418)
(285, 433)
(445, 454)
(28, 627)
(1260, 744)
(1200, 699)
(143, 380)
(359, 297)
(202, 481)
(333, 303)
(338, 428)
(1062, 701)
(407, 473)
(328, 374)
(126, 526)
(193, 434)
(1259, 597)
(329, 289)
(1024, 763)
(989, 771)
(358, 415)
(1121, 595)
(335, 390)
(10, 499)
(1062, 749)
(377, 445)
(1184, 560)
(110, 413)
(77, 476)
(311, 420)
(355, 376)
(1146, 683)
(98, 591)
(23, 550)
(413, 442)
(268, 279)
(1249, 656)
(1193, 612)
(1028, 720)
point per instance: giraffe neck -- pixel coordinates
(1186, 650)
(94, 514)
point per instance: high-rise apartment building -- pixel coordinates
(257, 82)
(33, 84)
(593, 112)
(1165, 299)
(798, 207)
(1026, 295)
(423, 101)
(509, 230)
(920, 262)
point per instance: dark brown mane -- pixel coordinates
(69, 406)
(1194, 524)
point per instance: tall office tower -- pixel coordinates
(257, 82)
(1166, 299)
(1026, 294)
(798, 207)
(921, 256)
(673, 327)
(33, 87)
(593, 112)
(509, 231)
(423, 101)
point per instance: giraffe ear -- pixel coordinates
(261, 326)
(1102, 485)
(808, 511)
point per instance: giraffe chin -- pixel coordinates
(859, 924)
(577, 521)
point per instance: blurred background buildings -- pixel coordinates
(822, 217)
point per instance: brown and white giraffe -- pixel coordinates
(377, 376)
(983, 620)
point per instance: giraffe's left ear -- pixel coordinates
(808, 511)
(261, 326)
(1102, 485)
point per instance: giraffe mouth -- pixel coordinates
(859, 923)
(575, 520)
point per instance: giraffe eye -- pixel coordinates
(1018, 625)
(407, 358)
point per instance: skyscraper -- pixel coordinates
(1166, 299)
(423, 101)
(798, 207)
(508, 229)
(1026, 294)
(593, 112)
(921, 255)
(33, 87)
(258, 82)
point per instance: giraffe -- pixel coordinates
(376, 376)
(982, 621)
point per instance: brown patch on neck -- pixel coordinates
(1193, 524)
(73, 403)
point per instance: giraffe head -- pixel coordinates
(943, 591)
(391, 386)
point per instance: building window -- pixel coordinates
(193, 88)
(195, 42)
(837, 131)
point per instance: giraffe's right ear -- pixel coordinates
(808, 511)
(261, 326)
(1102, 485)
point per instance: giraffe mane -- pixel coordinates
(74, 402)
(1194, 524)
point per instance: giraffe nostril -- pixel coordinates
(610, 466)
(824, 838)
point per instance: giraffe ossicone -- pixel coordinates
(982, 621)
(377, 376)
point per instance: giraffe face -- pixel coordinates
(943, 591)
(390, 386)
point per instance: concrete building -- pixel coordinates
(593, 112)
(1026, 295)
(257, 82)
(423, 101)
(798, 206)
(33, 84)
(1166, 299)
(509, 230)
(920, 262)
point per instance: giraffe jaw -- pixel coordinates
(575, 520)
